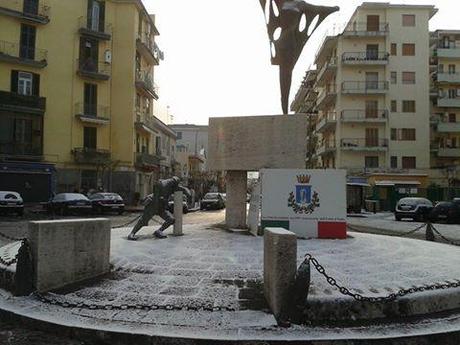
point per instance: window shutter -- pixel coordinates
(90, 13)
(35, 84)
(14, 81)
(102, 16)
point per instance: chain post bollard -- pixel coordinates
(24, 271)
(429, 232)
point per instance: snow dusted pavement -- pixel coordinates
(210, 267)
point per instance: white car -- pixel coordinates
(11, 202)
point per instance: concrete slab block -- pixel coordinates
(280, 266)
(66, 252)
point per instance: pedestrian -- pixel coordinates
(156, 204)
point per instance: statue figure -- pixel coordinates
(157, 204)
(286, 15)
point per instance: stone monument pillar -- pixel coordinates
(235, 216)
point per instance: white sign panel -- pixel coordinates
(310, 203)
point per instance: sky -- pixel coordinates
(217, 55)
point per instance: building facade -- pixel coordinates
(77, 89)
(445, 103)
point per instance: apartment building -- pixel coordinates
(77, 96)
(372, 81)
(445, 103)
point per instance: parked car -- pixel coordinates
(212, 201)
(416, 208)
(185, 207)
(107, 202)
(67, 203)
(446, 211)
(11, 202)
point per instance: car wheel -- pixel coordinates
(20, 213)
(120, 212)
(419, 217)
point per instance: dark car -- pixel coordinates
(185, 207)
(214, 201)
(417, 209)
(446, 212)
(11, 202)
(107, 202)
(69, 203)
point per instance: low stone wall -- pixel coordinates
(69, 251)
(280, 267)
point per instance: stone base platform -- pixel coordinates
(210, 267)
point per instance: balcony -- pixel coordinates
(356, 29)
(448, 77)
(447, 52)
(365, 58)
(97, 30)
(146, 160)
(325, 147)
(449, 152)
(39, 14)
(364, 87)
(327, 122)
(14, 102)
(92, 69)
(365, 116)
(86, 155)
(92, 114)
(21, 151)
(145, 84)
(326, 71)
(327, 96)
(146, 45)
(22, 55)
(449, 127)
(368, 144)
(445, 101)
(145, 122)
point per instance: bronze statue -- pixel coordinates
(286, 50)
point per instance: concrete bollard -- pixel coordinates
(178, 213)
(280, 267)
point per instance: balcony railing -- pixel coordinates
(366, 87)
(147, 160)
(447, 51)
(26, 151)
(366, 29)
(97, 114)
(364, 144)
(328, 65)
(326, 146)
(86, 155)
(370, 115)
(23, 55)
(145, 82)
(92, 69)
(36, 13)
(10, 101)
(144, 120)
(448, 127)
(450, 102)
(326, 121)
(453, 152)
(449, 77)
(369, 58)
(327, 95)
(96, 29)
(147, 45)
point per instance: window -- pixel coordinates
(394, 49)
(90, 138)
(30, 7)
(408, 106)
(88, 179)
(25, 83)
(409, 162)
(371, 109)
(408, 77)
(441, 68)
(394, 106)
(179, 135)
(403, 134)
(408, 49)
(394, 162)
(394, 134)
(394, 77)
(451, 69)
(371, 162)
(89, 54)
(408, 20)
(373, 23)
(90, 100)
(452, 118)
(27, 43)
(96, 15)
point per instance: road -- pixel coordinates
(14, 334)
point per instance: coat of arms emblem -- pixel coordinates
(304, 200)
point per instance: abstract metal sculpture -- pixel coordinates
(287, 38)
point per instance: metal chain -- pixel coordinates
(385, 299)
(9, 238)
(396, 234)
(128, 223)
(82, 305)
(445, 238)
(9, 262)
